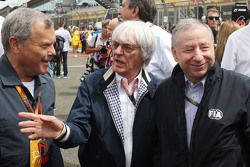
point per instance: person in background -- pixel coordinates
(97, 46)
(162, 61)
(113, 23)
(76, 42)
(83, 39)
(113, 114)
(67, 39)
(227, 28)
(28, 37)
(202, 111)
(213, 21)
(236, 55)
(89, 31)
(111, 26)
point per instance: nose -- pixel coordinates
(198, 55)
(52, 51)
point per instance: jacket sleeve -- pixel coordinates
(79, 119)
(246, 136)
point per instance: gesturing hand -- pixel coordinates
(40, 126)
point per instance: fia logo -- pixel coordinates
(215, 114)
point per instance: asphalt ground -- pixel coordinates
(65, 94)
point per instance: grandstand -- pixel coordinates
(84, 12)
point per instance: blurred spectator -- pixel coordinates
(213, 20)
(236, 55)
(96, 45)
(227, 28)
(76, 42)
(83, 39)
(64, 55)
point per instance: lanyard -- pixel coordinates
(192, 101)
(38, 146)
(130, 93)
(25, 100)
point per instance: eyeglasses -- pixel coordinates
(125, 46)
(213, 17)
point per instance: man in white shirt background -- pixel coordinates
(236, 55)
(67, 37)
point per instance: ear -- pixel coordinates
(135, 11)
(174, 54)
(14, 44)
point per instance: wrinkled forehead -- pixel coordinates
(126, 36)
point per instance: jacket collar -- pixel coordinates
(212, 75)
(9, 77)
(151, 82)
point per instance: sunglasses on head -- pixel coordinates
(213, 17)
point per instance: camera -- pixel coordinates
(103, 50)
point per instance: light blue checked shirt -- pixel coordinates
(194, 91)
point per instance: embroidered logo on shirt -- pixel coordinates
(215, 114)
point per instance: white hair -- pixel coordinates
(139, 32)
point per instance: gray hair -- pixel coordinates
(105, 22)
(147, 9)
(139, 32)
(19, 24)
(188, 23)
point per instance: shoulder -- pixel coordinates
(158, 31)
(234, 77)
(95, 76)
(46, 78)
(242, 32)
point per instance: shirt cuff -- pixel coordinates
(64, 135)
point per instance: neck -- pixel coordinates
(132, 77)
(104, 37)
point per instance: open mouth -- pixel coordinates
(118, 62)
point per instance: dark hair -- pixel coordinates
(147, 9)
(61, 24)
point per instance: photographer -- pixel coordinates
(97, 45)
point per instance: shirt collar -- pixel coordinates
(189, 83)
(119, 78)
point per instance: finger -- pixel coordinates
(29, 123)
(28, 130)
(33, 136)
(28, 115)
(47, 118)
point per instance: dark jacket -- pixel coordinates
(95, 119)
(220, 134)
(14, 146)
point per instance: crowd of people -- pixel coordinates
(152, 99)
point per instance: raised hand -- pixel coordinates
(40, 126)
